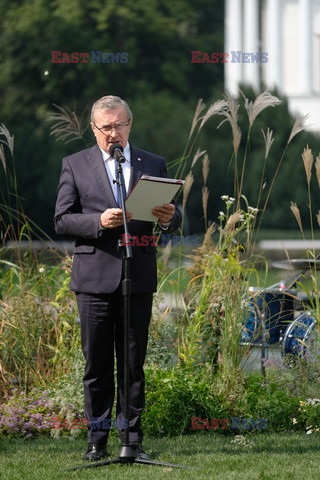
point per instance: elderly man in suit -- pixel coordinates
(86, 209)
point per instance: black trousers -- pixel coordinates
(101, 318)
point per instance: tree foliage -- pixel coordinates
(159, 81)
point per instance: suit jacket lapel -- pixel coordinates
(97, 164)
(136, 168)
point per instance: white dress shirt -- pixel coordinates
(109, 163)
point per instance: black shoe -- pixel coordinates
(137, 451)
(95, 452)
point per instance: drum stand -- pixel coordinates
(263, 317)
(263, 314)
(263, 341)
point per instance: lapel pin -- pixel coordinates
(139, 159)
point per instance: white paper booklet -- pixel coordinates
(149, 192)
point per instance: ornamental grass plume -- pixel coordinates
(318, 169)
(196, 117)
(207, 239)
(233, 220)
(268, 140)
(296, 212)
(263, 101)
(3, 159)
(205, 198)
(205, 168)
(307, 158)
(214, 109)
(68, 125)
(13, 221)
(9, 139)
(166, 253)
(230, 112)
(298, 126)
(10, 176)
(186, 189)
(196, 157)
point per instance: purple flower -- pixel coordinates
(28, 416)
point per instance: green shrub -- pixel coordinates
(309, 415)
(176, 395)
(269, 400)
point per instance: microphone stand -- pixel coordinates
(126, 454)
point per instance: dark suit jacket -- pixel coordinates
(84, 192)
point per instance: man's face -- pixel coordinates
(111, 126)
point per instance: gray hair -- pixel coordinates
(110, 102)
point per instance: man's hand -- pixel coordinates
(164, 213)
(112, 218)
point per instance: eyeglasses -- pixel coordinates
(117, 126)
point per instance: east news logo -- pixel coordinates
(83, 57)
(222, 57)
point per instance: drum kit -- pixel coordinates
(276, 328)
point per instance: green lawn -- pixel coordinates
(210, 456)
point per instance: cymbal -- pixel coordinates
(297, 263)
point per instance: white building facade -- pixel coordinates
(286, 34)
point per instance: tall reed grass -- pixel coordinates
(217, 296)
(215, 300)
(311, 288)
(38, 330)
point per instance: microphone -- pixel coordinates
(116, 151)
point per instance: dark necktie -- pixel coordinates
(118, 195)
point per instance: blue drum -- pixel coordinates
(269, 313)
(302, 337)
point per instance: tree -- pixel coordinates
(158, 37)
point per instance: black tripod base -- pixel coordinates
(160, 464)
(135, 460)
(126, 454)
(126, 457)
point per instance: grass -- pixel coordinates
(259, 456)
(266, 279)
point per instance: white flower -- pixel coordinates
(313, 401)
(242, 441)
(225, 197)
(41, 270)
